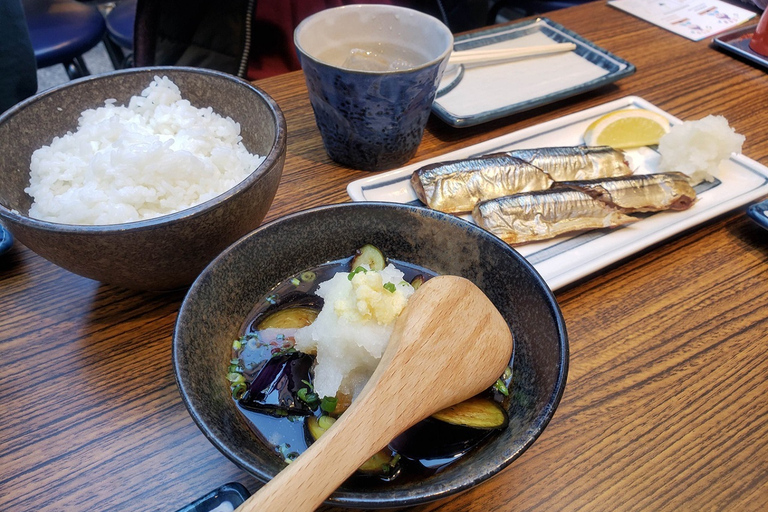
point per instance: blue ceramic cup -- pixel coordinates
(372, 72)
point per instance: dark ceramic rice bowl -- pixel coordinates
(165, 252)
(221, 298)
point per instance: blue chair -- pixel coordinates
(531, 7)
(61, 31)
(119, 41)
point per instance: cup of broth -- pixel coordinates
(372, 72)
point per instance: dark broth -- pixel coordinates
(423, 449)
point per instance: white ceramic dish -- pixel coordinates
(478, 94)
(565, 260)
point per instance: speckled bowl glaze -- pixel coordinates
(218, 303)
(159, 254)
(372, 120)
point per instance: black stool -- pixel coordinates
(62, 31)
(119, 41)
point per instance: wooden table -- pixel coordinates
(666, 406)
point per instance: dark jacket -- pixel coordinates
(253, 38)
(18, 69)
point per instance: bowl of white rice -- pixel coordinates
(274, 262)
(140, 177)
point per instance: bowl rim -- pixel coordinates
(396, 9)
(274, 154)
(6, 239)
(375, 500)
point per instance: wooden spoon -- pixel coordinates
(449, 344)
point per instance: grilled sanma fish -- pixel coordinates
(640, 193)
(546, 214)
(457, 186)
(576, 162)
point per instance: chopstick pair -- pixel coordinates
(480, 56)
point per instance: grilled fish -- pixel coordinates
(457, 186)
(546, 214)
(640, 193)
(577, 162)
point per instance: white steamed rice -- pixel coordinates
(155, 156)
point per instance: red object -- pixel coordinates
(272, 48)
(759, 41)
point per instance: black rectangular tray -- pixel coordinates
(737, 42)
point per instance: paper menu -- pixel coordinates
(694, 19)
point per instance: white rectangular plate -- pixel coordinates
(564, 260)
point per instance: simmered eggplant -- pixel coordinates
(370, 256)
(276, 389)
(435, 443)
(418, 281)
(476, 412)
(289, 318)
(318, 425)
(291, 309)
(383, 463)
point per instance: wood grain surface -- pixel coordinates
(666, 406)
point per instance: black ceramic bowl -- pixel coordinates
(6, 239)
(157, 254)
(219, 301)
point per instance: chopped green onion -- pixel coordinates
(238, 390)
(308, 276)
(295, 282)
(235, 377)
(501, 387)
(285, 349)
(390, 287)
(325, 422)
(308, 397)
(507, 373)
(391, 467)
(288, 456)
(357, 271)
(237, 345)
(328, 404)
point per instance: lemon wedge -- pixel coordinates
(627, 128)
